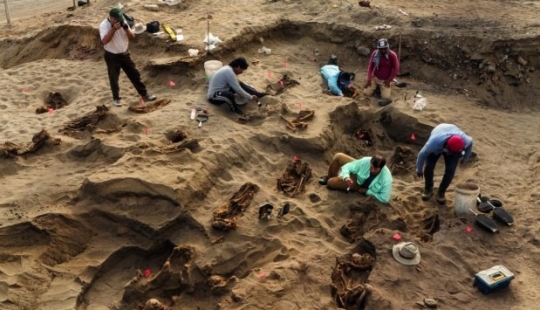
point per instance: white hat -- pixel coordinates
(139, 28)
(406, 253)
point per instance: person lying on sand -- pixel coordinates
(450, 142)
(224, 84)
(369, 176)
(335, 78)
(382, 70)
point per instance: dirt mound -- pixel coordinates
(62, 42)
(68, 238)
(118, 188)
(94, 151)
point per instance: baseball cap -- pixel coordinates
(455, 144)
(383, 43)
(117, 14)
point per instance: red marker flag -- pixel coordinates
(468, 229)
(300, 106)
(286, 64)
(25, 89)
(413, 137)
(147, 272)
(51, 110)
(396, 237)
(295, 158)
(270, 74)
(142, 101)
(147, 130)
(172, 84)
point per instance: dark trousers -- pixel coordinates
(450, 164)
(227, 97)
(115, 62)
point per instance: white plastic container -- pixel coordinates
(210, 68)
(465, 198)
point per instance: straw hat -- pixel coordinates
(139, 28)
(406, 253)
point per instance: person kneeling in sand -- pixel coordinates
(382, 70)
(369, 176)
(225, 84)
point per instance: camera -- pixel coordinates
(124, 25)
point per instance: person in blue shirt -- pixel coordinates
(368, 175)
(450, 142)
(335, 78)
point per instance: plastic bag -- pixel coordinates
(419, 102)
(211, 41)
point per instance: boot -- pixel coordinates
(428, 192)
(440, 198)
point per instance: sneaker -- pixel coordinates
(428, 192)
(117, 103)
(323, 180)
(149, 97)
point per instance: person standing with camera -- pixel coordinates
(115, 34)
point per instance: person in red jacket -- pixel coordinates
(382, 70)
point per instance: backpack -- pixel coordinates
(152, 26)
(129, 20)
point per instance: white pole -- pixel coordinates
(6, 8)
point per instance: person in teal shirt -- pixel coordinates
(368, 175)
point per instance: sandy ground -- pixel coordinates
(108, 208)
(22, 9)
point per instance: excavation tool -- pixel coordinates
(485, 222)
(486, 205)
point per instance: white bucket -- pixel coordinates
(210, 68)
(465, 198)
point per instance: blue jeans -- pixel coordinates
(451, 161)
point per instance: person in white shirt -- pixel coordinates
(115, 34)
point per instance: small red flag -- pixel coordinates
(286, 64)
(147, 272)
(281, 83)
(468, 229)
(295, 158)
(172, 84)
(25, 89)
(51, 110)
(300, 106)
(413, 137)
(142, 101)
(147, 130)
(396, 237)
(270, 74)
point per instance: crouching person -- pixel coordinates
(337, 80)
(369, 176)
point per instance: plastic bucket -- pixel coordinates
(210, 68)
(465, 198)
